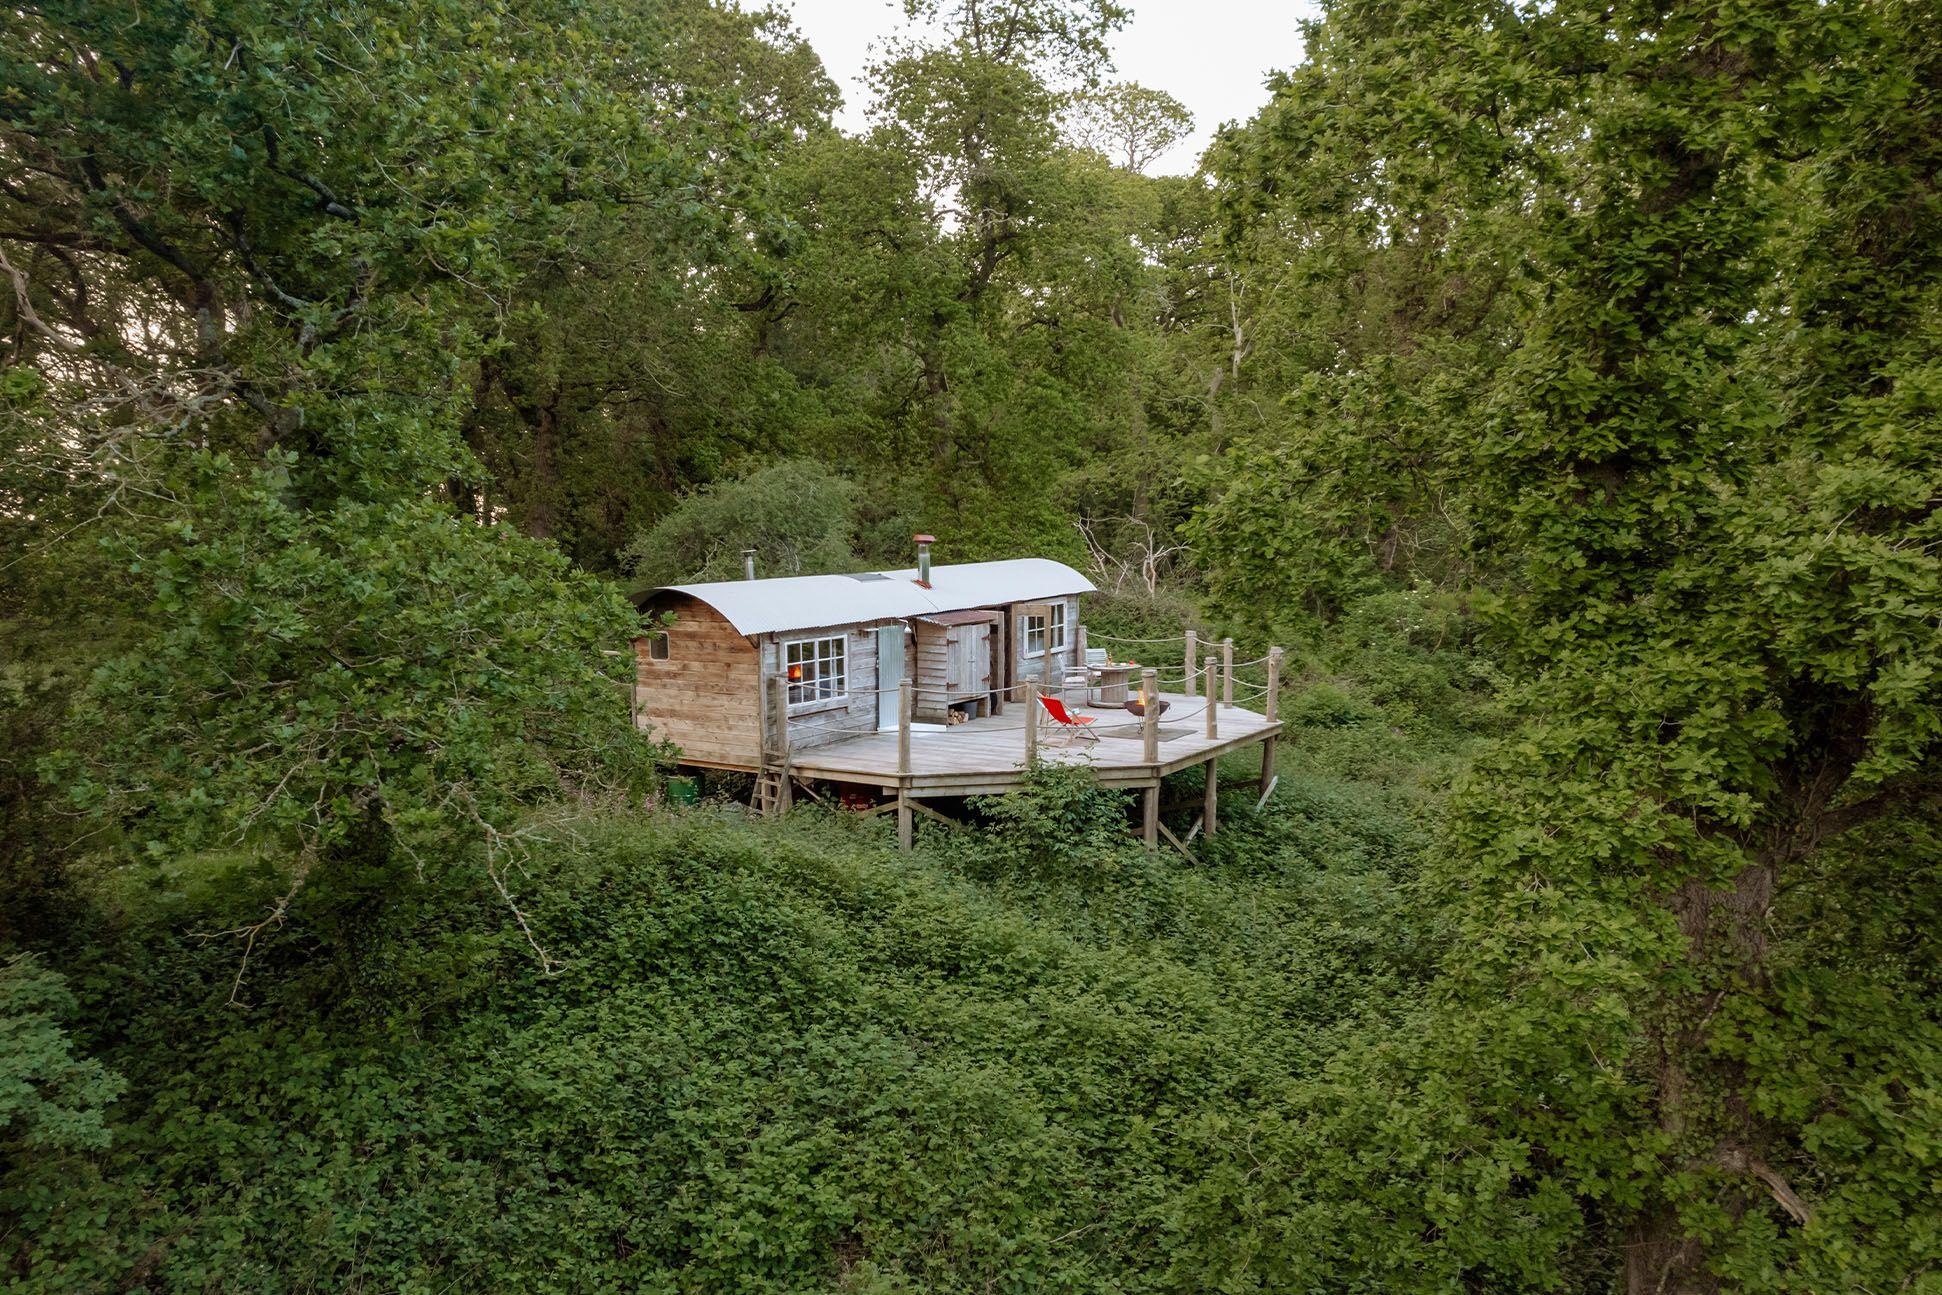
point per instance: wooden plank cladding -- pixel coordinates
(703, 694)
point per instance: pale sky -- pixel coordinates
(1211, 55)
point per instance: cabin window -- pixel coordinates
(817, 669)
(657, 646)
(1046, 633)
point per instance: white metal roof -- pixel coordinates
(809, 602)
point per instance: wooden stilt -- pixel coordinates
(903, 765)
(1150, 742)
(1211, 814)
(1272, 710)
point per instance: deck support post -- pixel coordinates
(1031, 722)
(1193, 662)
(1272, 712)
(776, 744)
(1210, 811)
(903, 765)
(1212, 708)
(1150, 741)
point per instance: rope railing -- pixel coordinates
(1015, 692)
(1207, 664)
(1120, 638)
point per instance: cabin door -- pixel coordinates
(970, 666)
(890, 673)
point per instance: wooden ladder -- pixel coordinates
(772, 790)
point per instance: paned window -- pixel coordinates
(1046, 633)
(817, 669)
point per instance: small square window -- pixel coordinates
(817, 669)
(657, 646)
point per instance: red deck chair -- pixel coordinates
(1069, 724)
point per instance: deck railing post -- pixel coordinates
(1213, 710)
(776, 735)
(903, 728)
(1227, 672)
(1150, 722)
(1193, 661)
(1031, 722)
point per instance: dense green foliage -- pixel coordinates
(1560, 383)
(771, 1059)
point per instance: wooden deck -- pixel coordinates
(987, 756)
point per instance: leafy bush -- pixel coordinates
(1058, 823)
(797, 515)
(775, 1057)
(309, 676)
(50, 1099)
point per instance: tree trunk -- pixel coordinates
(1706, 1119)
(546, 468)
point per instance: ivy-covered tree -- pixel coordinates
(1702, 482)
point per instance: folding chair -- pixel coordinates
(1068, 723)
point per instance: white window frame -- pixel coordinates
(1050, 629)
(819, 686)
(660, 647)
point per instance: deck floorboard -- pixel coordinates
(988, 754)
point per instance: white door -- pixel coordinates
(890, 673)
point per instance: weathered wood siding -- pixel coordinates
(938, 680)
(833, 720)
(1044, 667)
(706, 697)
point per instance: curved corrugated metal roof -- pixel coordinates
(809, 602)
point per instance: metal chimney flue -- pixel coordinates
(748, 564)
(924, 543)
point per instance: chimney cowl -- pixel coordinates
(924, 543)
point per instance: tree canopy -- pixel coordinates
(1561, 383)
